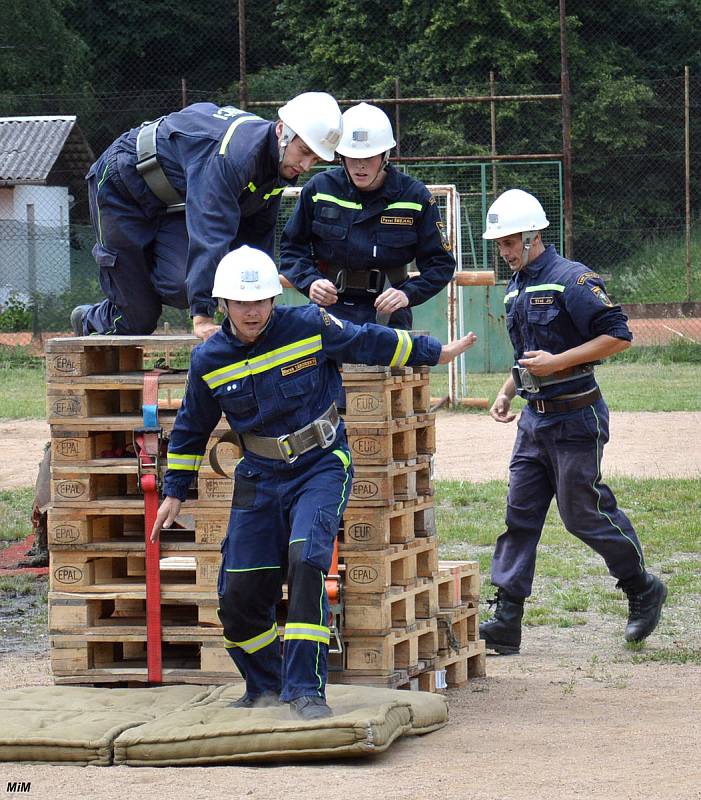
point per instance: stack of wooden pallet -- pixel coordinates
(409, 619)
(97, 591)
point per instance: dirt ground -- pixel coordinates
(571, 717)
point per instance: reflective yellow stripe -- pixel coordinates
(231, 130)
(273, 192)
(256, 643)
(264, 362)
(331, 199)
(307, 632)
(251, 186)
(403, 351)
(412, 206)
(509, 295)
(345, 458)
(184, 461)
(557, 287)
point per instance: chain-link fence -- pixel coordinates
(473, 93)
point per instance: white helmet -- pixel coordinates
(367, 132)
(514, 211)
(246, 274)
(316, 118)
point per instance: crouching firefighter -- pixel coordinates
(273, 372)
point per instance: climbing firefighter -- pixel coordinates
(561, 323)
(356, 228)
(169, 199)
(273, 372)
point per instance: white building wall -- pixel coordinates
(34, 239)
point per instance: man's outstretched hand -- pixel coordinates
(453, 349)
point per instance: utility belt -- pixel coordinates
(523, 379)
(288, 447)
(570, 402)
(151, 171)
(372, 281)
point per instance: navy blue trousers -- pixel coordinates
(560, 455)
(283, 525)
(142, 256)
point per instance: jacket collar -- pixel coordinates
(537, 265)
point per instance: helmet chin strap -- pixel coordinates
(286, 137)
(527, 238)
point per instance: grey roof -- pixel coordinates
(30, 147)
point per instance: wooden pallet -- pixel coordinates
(458, 584)
(118, 569)
(374, 571)
(189, 656)
(382, 396)
(398, 440)
(119, 520)
(457, 628)
(377, 527)
(74, 357)
(409, 650)
(397, 608)
(88, 613)
(385, 486)
(456, 669)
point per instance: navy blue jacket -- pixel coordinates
(335, 224)
(283, 381)
(554, 304)
(224, 161)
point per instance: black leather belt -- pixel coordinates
(372, 281)
(558, 405)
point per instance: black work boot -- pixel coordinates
(265, 700)
(306, 708)
(77, 316)
(646, 596)
(503, 631)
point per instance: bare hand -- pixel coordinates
(539, 362)
(455, 348)
(323, 292)
(167, 513)
(391, 300)
(500, 409)
(204, 327)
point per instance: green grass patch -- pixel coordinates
(16, 585)
(665, 655)
(633, 385)
(571, 581)
(22, 384)
(15, 513)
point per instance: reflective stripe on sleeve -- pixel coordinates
(184, 461)
(509, 295)
(403, 350)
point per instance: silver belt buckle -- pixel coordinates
(324, 432)
(539, 406)
(529, 382)
(285, 448)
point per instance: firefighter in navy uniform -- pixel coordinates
(169, 199)
(273, 372)
(560, 322)
(357, 227)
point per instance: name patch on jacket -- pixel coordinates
(546, 300)
(386, 220)
(300, 365)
